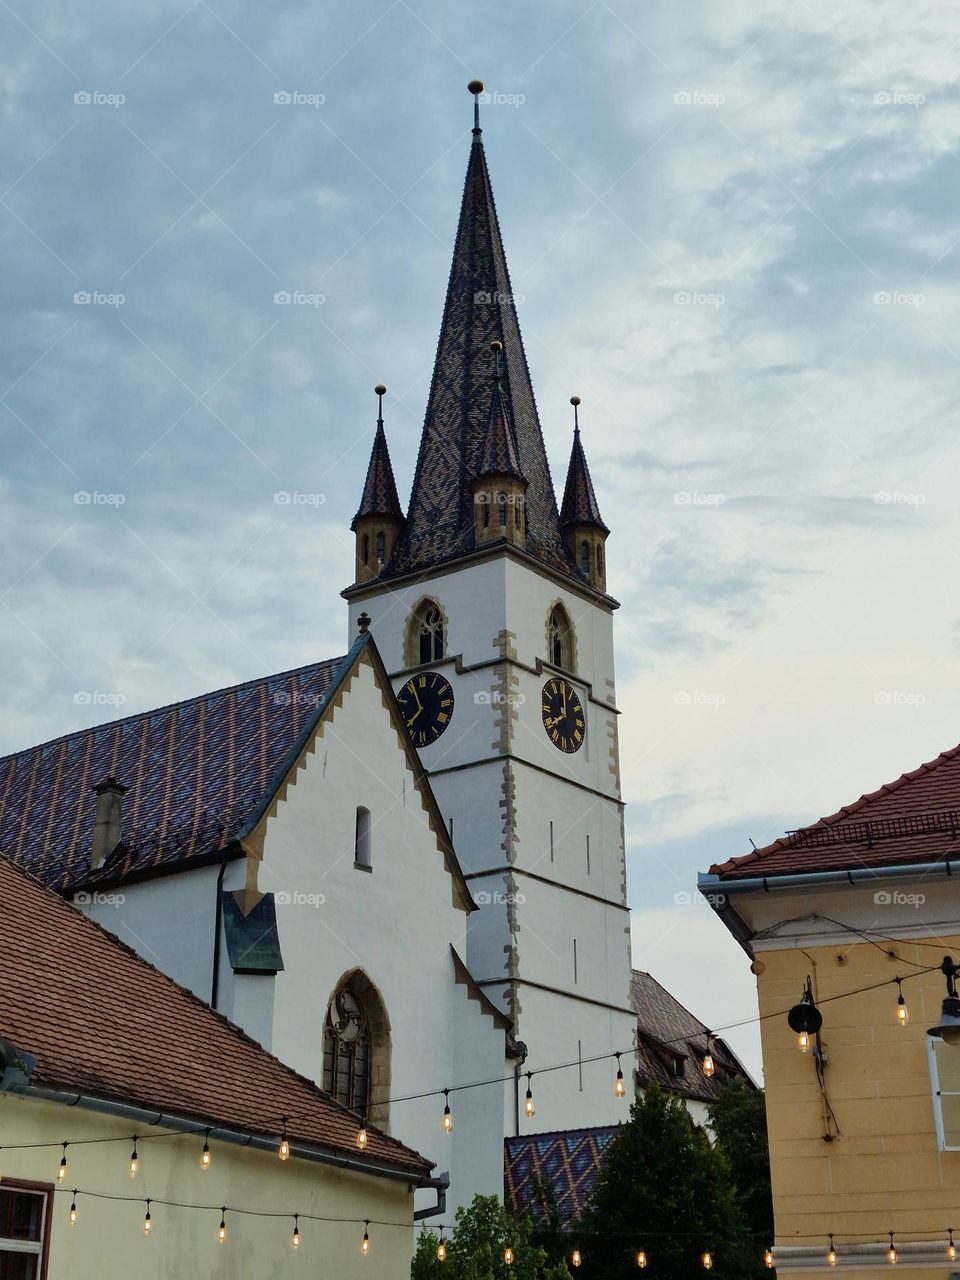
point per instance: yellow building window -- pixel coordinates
(945, 1076)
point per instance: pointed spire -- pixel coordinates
(580, 504)
(380, 489)
(480, 308)
(499, 457)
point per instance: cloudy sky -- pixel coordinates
(731, 227)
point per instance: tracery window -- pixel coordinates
(561, 638)
(347, 1051)
(430, 646)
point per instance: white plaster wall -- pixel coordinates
(107, 1240)
(396, 923)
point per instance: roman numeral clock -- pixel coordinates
(426, 704)
(562, 713)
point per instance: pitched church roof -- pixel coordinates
(196, 771)
(562, 1168)
(102, 1022)
(379, 496)
(479, 309)
(580, 504)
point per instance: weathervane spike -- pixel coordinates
(476, 88)
(380, 391)
(575, 401)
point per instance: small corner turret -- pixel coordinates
(499, 487)
(583, 526)
(379, 519)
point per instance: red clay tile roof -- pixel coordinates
(915, 819)
(103, 1022)
(669, 1036)
(195, 771)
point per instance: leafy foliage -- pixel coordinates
(738, 1118)
(476, 1247)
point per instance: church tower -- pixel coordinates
(490, 609)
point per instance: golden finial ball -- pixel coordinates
(475, 87)
(496, 345)
(574, 400)
(380, 389)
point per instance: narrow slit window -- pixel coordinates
(362, 852)
(381, 548)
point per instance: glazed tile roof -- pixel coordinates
(915, 819)
(195, 770)
(566, 1162)
(671, 1044)
(103, 1022)
(479, 308)
(499, 456)
(580, 504)
(379, 489)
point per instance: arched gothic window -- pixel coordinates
(347, 1051)
(430, 629)
(560, 638)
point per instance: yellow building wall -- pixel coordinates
(108, 1241)
(884, 1171)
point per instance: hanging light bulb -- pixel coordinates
(222, 1229)
(619, 1088)
(529, 1106)
(803, 1040)
(283, 1151)
(768, 1257)
(365, 1242)
(147, 1221)
(447, 1117)
(362, 1138)
(951, 1247)
(73, 1208)
(708, 1064)
(295, 1238)
(441, 1248)
(134, 1159)
(205, 1153)
(903, 1015)
(707, 1260)
(62, 1171)
(892, 1251)
(641, 1258)
(576, 1258)
(508, 1256)
(805, 1018)
(831, 1252)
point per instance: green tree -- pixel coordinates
(663, 1188)
(476, 1246)
(738, 1118)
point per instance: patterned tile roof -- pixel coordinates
(195, 770)
(103, 1022)
(671, 1044)
(499, 456)
(566, 1163)
(580, 504)
(911, 820)
(479, 308)
(379, 489)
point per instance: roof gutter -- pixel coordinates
(239, 1137)
(717, 887)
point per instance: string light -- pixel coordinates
(72, 1217)
(362, 1138)
(447, 1117)
(832, 1253)
(707, 1260)
(892, 1251)
(951, 1247)
(147, 1221)
(576, 1257)
(641, 1258)
(903, 1015)
(205, 1156)
(62, 1171)
(619, 1088)
(365, 1242)
(134, 1158)
(508, 1256)
(222, 1229)
(283, 1151)
(295, 1238)
(768, 1258)
(708, 1063)
(441, 1248)
(529, 1106)
(805, 1018)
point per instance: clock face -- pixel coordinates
(426, 704)
(563, 716)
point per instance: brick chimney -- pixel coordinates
(108, 825)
